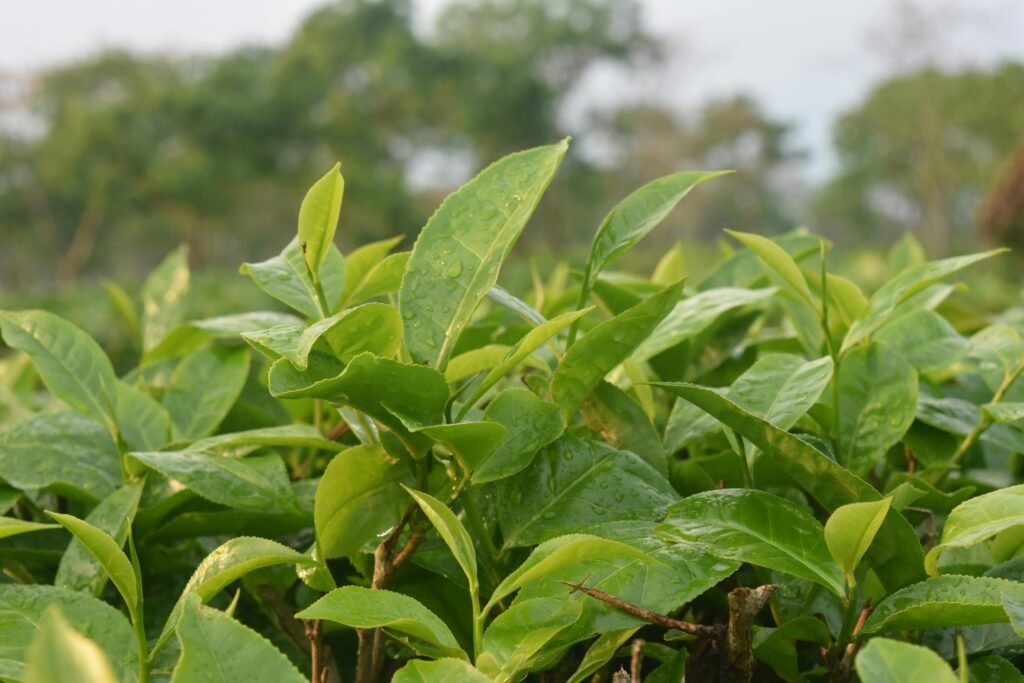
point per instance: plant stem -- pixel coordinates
(984, 422)
(581, 303)
(142, 646)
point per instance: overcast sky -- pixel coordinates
(804, 60)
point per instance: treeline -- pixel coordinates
(108, 163)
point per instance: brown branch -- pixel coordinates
(370, 657)
(337, 431)
(636, 660)
(314, 635)
(846, 665)
(744, 605)
(645, 614)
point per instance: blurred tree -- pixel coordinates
(128, 155)
(1001, 214)
(919, 153)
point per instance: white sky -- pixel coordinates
(804, 60)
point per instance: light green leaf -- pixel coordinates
(73, 366)
(60, 654)
(458, 253)
(782, 388)
(599, 351)
(779, 388)
(695, 314)
(163, 298)
(756, 527)
(945, 601)
(372, 327)
(195, 334)
(255, 483)
(636, 215)
(877, 404)
(22, 609)
(318, 218)
(891, 661)
(286, 278)
(530, 425)
(359, 607)
(203, 388)
(125, 307)
(109, 555)
(780, 263)
(470, 442)
(12, 526)
(530, 342)
(560, 552)
(518, 637)
(978, 519)
(849, 531)
(384, 278)
(926, 339)
(79, 568)
(361, 261)
(144, 423)
(217, 649)
(895, 555)
(601, 652)
(507, 299)
(294, 435)
(358, 498)
(909, 282)
(229, 562)
(65, 451)
(444, 670)
(481, 359)
(451, 530)
(575, 483)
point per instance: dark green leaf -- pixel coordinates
(573, 484)
(72, 365)
(756, 527)
(599, 351)
(203, 388)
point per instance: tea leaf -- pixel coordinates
(365, 608)
(203, 388)
(218, 649)
(60, 654)
(72, 365)
(109, 555)
(573, 484)
(163, 298)
(318, 218)
(599, 351)
(943, 601)
(79, 568)
(851, 529)
(358, 498)
(891, 661)
(457, 256)
(877, 403)
(755, 527)
(636, 215)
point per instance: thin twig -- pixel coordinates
(636, 660)
(337, 431)
(645, 614)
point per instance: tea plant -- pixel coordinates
(416, 475)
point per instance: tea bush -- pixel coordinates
(416, 475)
